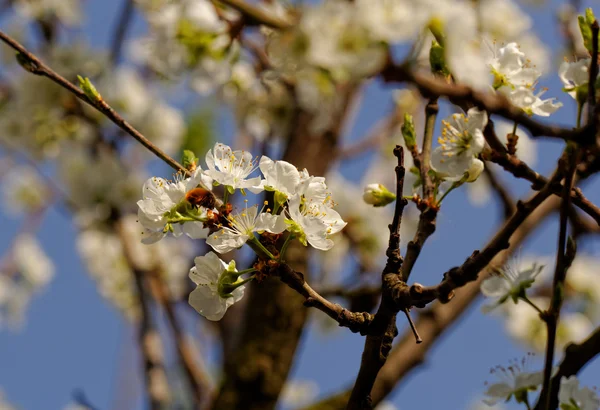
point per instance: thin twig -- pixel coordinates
(356, 322)
(431, 111)
(37, 67)
(520, 169)
(379, 341)
(435, 322)
(417, 295)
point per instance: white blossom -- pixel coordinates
(503, 19)
(582, 280)
(515, 382)
(462, 139)
(158, 207)
(231, 168)
(24, 191)
(571, 397)
(313, 220)
(339, 42)
(299, 393)
(67, 11)
(574, 76)
(242, 227)
(392, 21)
(386, 405)
(509, 69)
(281, 177)
(530, 103)
(33, 263)
(208, 273)
(509, 282)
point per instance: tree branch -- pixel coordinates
(37, 67)
(492, 103)
(379, 341)
(577, 356)
(436, 321)
(417, 295)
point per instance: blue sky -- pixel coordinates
(73, 339)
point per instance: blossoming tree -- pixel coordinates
(259, 228)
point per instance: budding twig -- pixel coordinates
(35, 66)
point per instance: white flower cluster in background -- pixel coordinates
(67, 11)
(102, 252)
(25, 271)
(514, 76)
(24, 191)
(187, 35)
(97, 181)
(52, 119)
(523, 289)
(128, 93)
(302, 205)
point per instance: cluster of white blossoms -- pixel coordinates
(24, 191)
(187, 35)
(517, 382)
(128, 93)
(514, 76)
(302, 205)
(527, 284)
(25, 271)
(66, 11)
(103, 253)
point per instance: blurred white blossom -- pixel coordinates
(67, 11)
(571, 397)
(299, 393)
(24, 191)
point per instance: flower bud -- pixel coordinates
(88, 88)
(408, 131)
(474, 170)
(378, 195)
